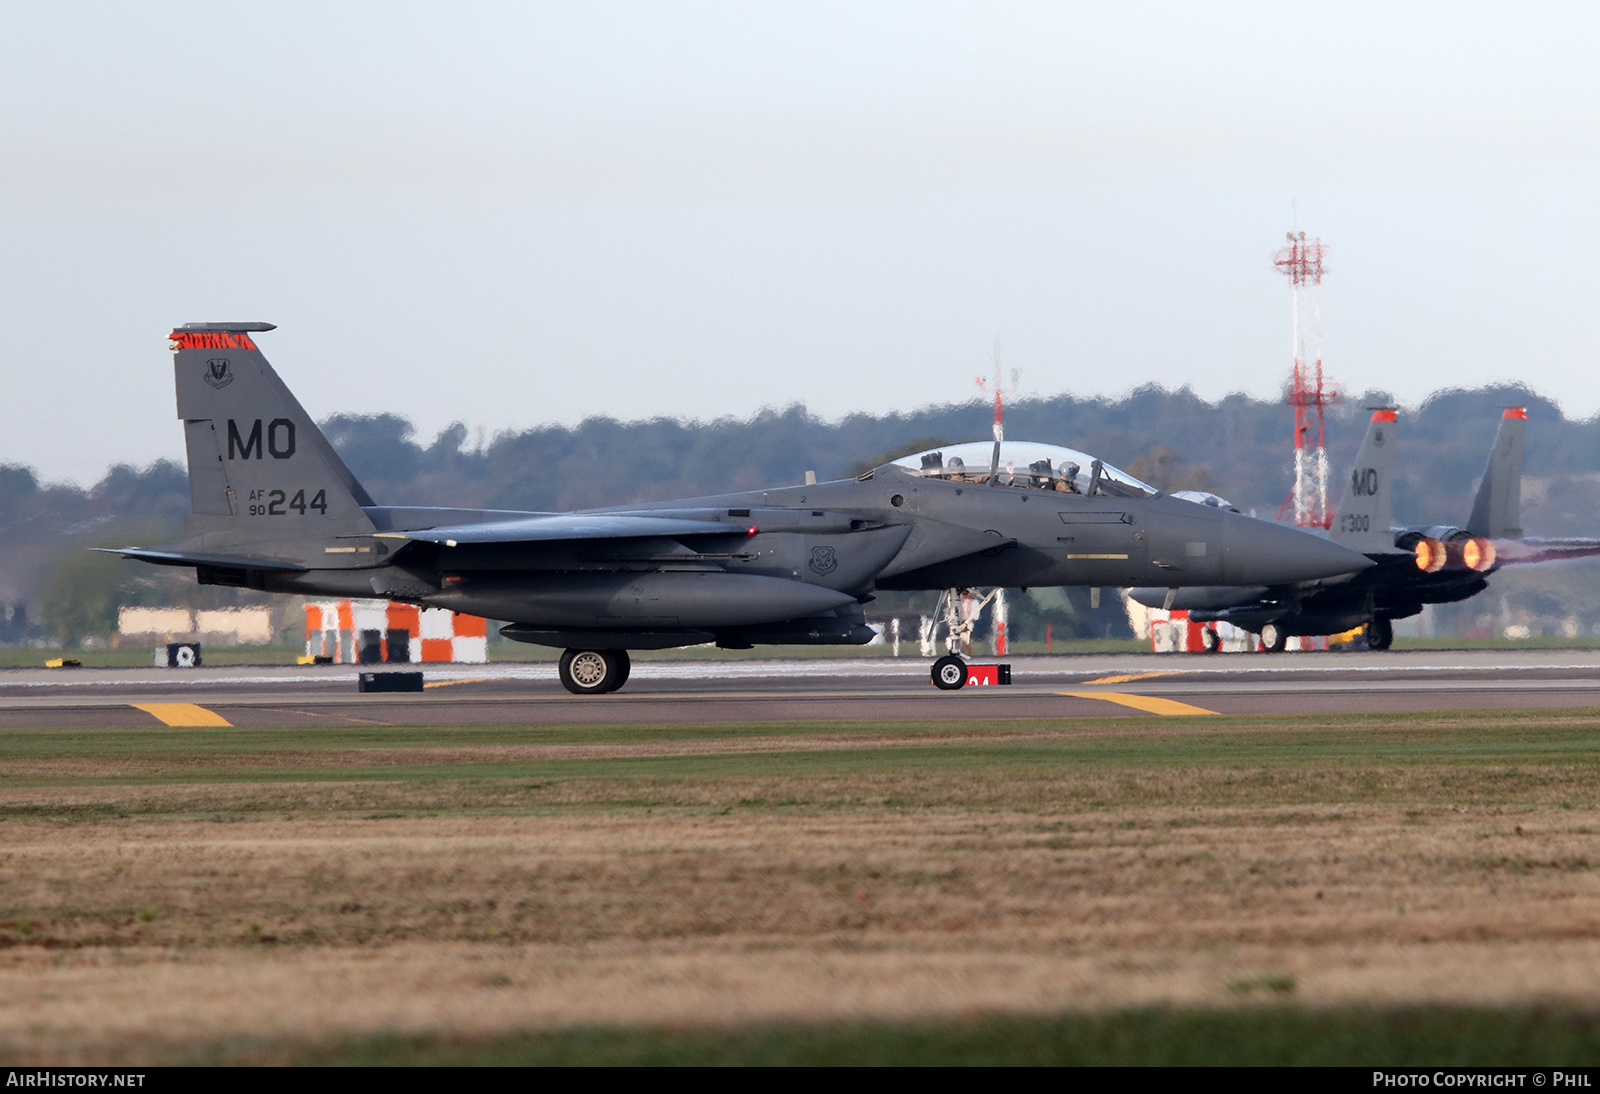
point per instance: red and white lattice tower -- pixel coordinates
(1001, 618)
(1307, 392)
(996, 386)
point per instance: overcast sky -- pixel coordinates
(511, 214)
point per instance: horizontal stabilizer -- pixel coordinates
(172, 558)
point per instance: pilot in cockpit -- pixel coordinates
(1068, 482)
(956, 469)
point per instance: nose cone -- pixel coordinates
(1259, 552)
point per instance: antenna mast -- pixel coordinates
(1307, 392)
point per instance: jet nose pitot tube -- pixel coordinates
(1259, 552)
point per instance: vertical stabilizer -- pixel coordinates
(1497, 510)
(257, 462)
(1366, 511)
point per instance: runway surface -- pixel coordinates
(877, 688)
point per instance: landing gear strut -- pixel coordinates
(960, 609)
(594, 672)
(1380, 634)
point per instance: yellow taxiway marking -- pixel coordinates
(1145, 703)
(183, 714)
(448, 683)
(1129, 678)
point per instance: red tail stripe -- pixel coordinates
(211, 340)
(1515, 412)
(1383, 415)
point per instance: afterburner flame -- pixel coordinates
(1430, 555)
(1478, 553)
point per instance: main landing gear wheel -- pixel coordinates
(949, 673)
(1210, 640)
(594, 672)
(1273, 640)
(1380, 634)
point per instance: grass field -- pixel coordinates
(1403, 889)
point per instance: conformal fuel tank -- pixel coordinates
(631, 600)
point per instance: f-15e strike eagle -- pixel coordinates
(276, 509)
(1414, 565)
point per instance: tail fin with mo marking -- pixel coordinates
(1362, 521)
(258, 464)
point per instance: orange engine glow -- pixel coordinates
(1430, 555)
(1478, 553)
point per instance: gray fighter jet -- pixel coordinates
(1414, 565)
(276, 509)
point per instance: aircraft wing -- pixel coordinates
(561, 526)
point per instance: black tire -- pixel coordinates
(1210, 640)
(949, 673)
(1273, 640)
(624, 667)
(591, 672)
(1380, 634)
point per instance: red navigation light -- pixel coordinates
(751, 530)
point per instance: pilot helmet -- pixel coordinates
(956, 465)
(1069, 470)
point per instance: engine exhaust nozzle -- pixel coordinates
(1478, 554)
(1431, 555)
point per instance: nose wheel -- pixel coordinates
(949, 673)
(594, 672)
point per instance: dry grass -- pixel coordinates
(135, 918)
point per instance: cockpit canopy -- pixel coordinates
(1028, 466)
(1205, 497)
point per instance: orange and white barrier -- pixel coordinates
(1177, 633)
(1174, 632)
(343, 629)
